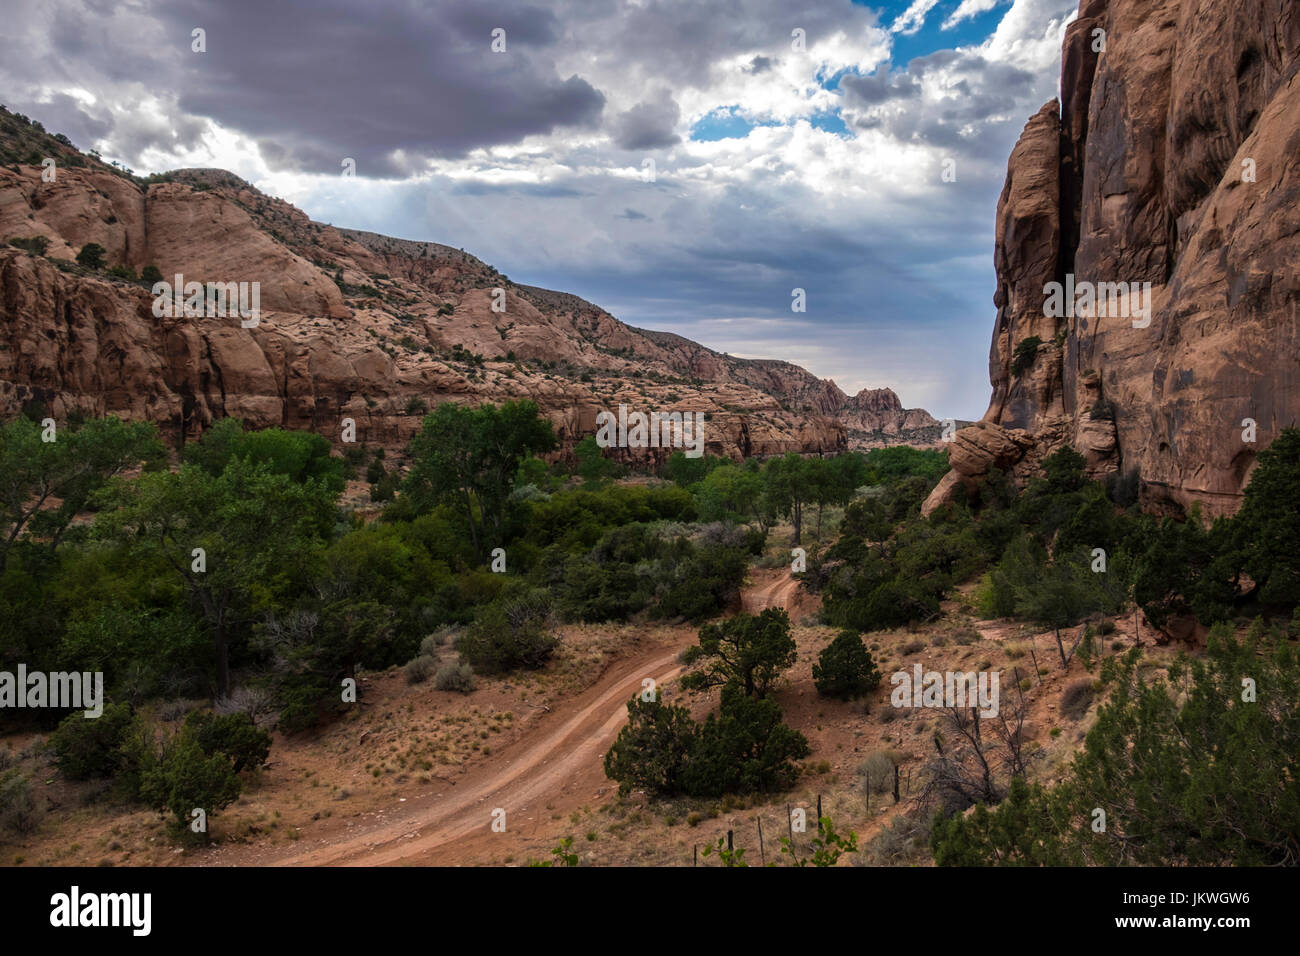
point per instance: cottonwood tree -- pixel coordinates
(79, 462)
(259, 533)
(468, 458)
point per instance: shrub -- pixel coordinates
(234, 735)
(437, 639)
(878, 771)
(418, 669)
(18, 810)
(510, 633)
(1076, 698)
(92, 747)
(1025, 354)
(844, 669)
(455, 675)
(911, 647)
(185, 778)
(91, 255)
(151, 274)
(35, 245)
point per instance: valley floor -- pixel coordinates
(414, 776)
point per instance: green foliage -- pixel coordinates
(35, 245)
(1265, 529)
(743, 748)
(751, 650)
(259, 532)
(185, 778)
(468, 458)
(19, 812)
(844, 669)
(728, 857)
(86, 747)
(235, 735)
(151, 274)
(1189, 771)
(71, 469)
(591, 464)
(563, 855)
(92, 255)
(513, 632)
(300, 456)
(652, 750)
(828, 846)
(1026, 352)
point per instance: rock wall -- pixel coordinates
(1173, 158)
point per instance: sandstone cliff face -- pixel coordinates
(352, 325)
(1173, 159)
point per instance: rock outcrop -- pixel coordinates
(352, 325)
(1173, 158)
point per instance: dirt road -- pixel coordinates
(770, 589)
(558, 767)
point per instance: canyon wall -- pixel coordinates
(1172, 158)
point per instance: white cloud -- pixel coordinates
(912, 19)
(969, 10)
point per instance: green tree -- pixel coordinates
(743, 748)
(592, 465)
(71, 468)
(786, 489)
(92, 255)
(510, 633)
(187, 778)
(652, 749)
(87, 747)
(235, 540)
(468, 457)
(299, 455)
(752, 649)
(844, 669)
(1267, 527)
(1196, 769)
(151, 274)
(234, 735)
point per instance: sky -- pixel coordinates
(685, 165)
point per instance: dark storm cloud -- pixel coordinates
(384, 83)
(326, 81)
(648, 125)
(879, 87)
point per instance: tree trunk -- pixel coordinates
(223, 661)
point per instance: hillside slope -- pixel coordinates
(353, 324)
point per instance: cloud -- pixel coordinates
(910, 21)
(968, 10)
(531, 159)
(648, 125)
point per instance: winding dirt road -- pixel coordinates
(558, 767)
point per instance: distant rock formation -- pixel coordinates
(1173, 158)
(353, 325)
